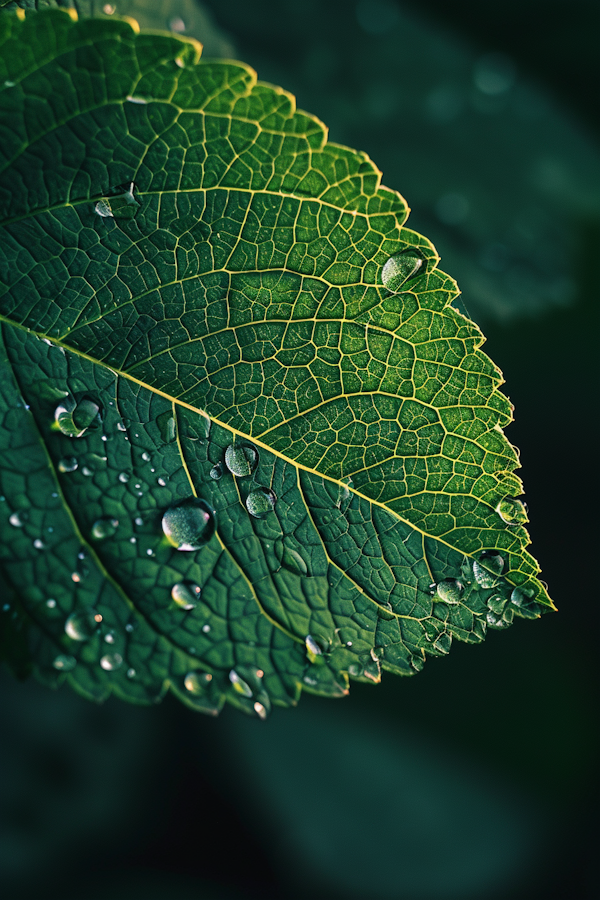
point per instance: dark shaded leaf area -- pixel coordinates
(248, 444)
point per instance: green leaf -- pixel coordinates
(248, 443)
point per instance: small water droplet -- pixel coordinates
(161, 482)
(121, 427)
(81, 626)
(177, 24)
(124, 477)
(111, 661)
(189, 525)
(206, 628)
(149, 552)
(38, 544)
(239, 685)
(133, 540)
(87, 471)
(261, 502)
(16, 520)
(109, 637)
(141, 100)
(216, 472)
(131, 673)
(402, 267)
(497, 603)
(290, 559)
(260, 711)
(74, 418)
(146, 456)
(76, 577)
(104, 528)
(129, 627)
(51, 603)
(102, 208)
(312, 647)
(167, 427)
(108, 9)
(312, 682)
(64, 663)
(138, 520)
(185, 594)
(68, 464)
(449, 590)
(196, 682)
(241, 460)
(512, 511)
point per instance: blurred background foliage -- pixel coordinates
(478, 778)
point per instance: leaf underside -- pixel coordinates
(192, 275)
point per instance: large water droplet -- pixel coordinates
(74, 419)
(216, 472)
(185, 594)
(239, 685)
(64, 663)
(102, 208)
(111, 661)
(449, 590)
(312, 646)
(189, 525)
(290, 559)
(81, 626)
(68, 464)
(402, 268)
(481, 569)
(261, 502)
(521, 596)
(497, 603)
(197, 682)
(167, 427)
(241, 460)
(104, 528)
(512, 511)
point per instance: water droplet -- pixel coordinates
(87, 471)
(73, 419)
(521, 596)
(239, 685)
(138, 520)
(316, 645)
(261, 502)
(355, 670)
(68, 464)
(206, 628)
(189, 525)
(111, 661)
(512, 511)
(104, 528)
(131, 673)
(312, 682)
(129, 627)
(121, 427)
(216, 472)
(38, 544)
(241, 460)
(402, 268)
(109, 637)
(64, 663)
(81, 626)
(133, 540)
(497, 603)
(167, 427)
(16, 520)
(161, 482)
(177, 24)
(124, 477)
(481, 569)
(150, 551)
(141, 100)
(109, 9)
(290, 559)
(449, 590)
(146, 456)
(185, 594)
(102, 208)
(197, 682)
(51, 603)
(260, 710)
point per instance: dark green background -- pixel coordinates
(477, 778)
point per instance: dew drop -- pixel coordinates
(449, 591)
(73, 419)
(481, 569)
(51, 603)
(109, 637)
(216, 472)
(102, 208)
(497, 603)
(111, 661)
(64, 663)
(260, 710)
(185, 594)
(146, 456)
(129, 627)
(109, 9)
(167, 427)
(241, 460)
(138, 520)
(16, 520)
(124, 477)
(206, 628)
(161, 482)
(521, 596)
(197, 682)
(177, 24)
(121, 427)
(290, 559)
(38, 544)
(512, 511)
(81, 626)
(87, 471)
(261, 502)
(189, 525)
(239, 685)
(131, 673)
(104, 528)
(140, 100)
(402, 268)
(67, 464)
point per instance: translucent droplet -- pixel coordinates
(290, 559)
(87, 471)
(216, 472)
(72, 418)
(316, 645)
(177, 24)
(189, 525)
(206, 628)
(355, 670)
(260, 710)
(241, 460)
(146, 456)
(487, 569)
(512, 511)
(104, 528)
(81, 626)
(111, 661)
(38, 544)
(16, 520)
(102, 208)
(138, 520)
(68, 464)
(51, 603)
(402, 268)
(121, 427)
(124, 477)
(261, 502)
(141, 100)
(129, 627)
(185, 594)
(131, 673)
(521, 596)
(239, 685)
(197, 682)
(109, 9)
(497, 603)
(109, 637)
(449, 590)
(167, 427)
(161, 482)
(64, 663)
